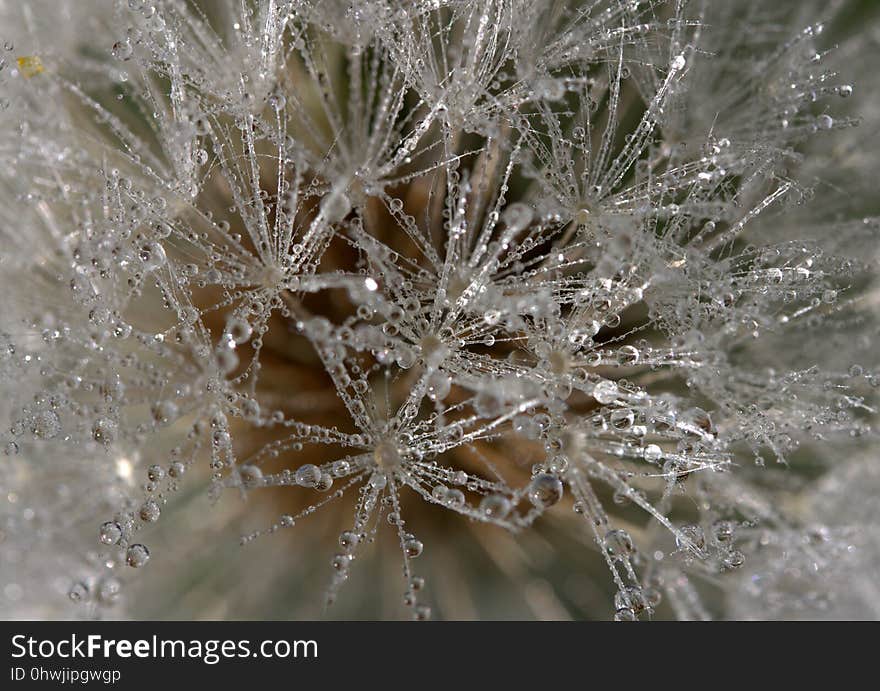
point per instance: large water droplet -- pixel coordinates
(307, 475)
(495, 506)
(45, 424)
(605, 392)
(137, 555)
(545, 490)
(517, 216)
(111, 532)
(413, 548)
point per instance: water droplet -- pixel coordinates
(652, 453)
(155, 473)
(340, 468)
(152, 255)
(454, 498)
(622, 418)
(605, 392)
(348, 540)
(545, 490)
(439, 386)
(550, 88)
(413, 548)
(104, 431)
(202, 125)
(250, 475)
(625, 614)
(150, 511)
(227, 360)
(277, 100)
(517, 216)
(723, 530)
(690, 537)
(324, 483)
(734, 559)
(78, 592)
(111, 532)
(378, 481)
(108, 590)
(307, 475)
(239, 330)
(618, 543)
(341, 562)
(45, 424)
(495, 506)
(633, 597)
(628, 355)
(164, 412)
(122, 50)
(137, 555)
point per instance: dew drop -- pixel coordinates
(45, 424)
(413, 548)
(690, 537)
(605, 392)
(545, 490)
(307, 475)
(108, 590)
(104, 431)
(625, 614)
(150, 511)
(734, 559)
(495, 506)
(723, 530)
(618, 543)
(163, 412)
(239, 330)
(348, 539)
(111, 533)
(78, 592)
(155, 472)
(652, 453)
(122, 50)
(137, 555)
(517, 216)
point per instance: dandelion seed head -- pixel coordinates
(378, 262)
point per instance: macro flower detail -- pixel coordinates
(430, 271)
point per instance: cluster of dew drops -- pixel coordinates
(517, 332)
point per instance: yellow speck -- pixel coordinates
(30, 66)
